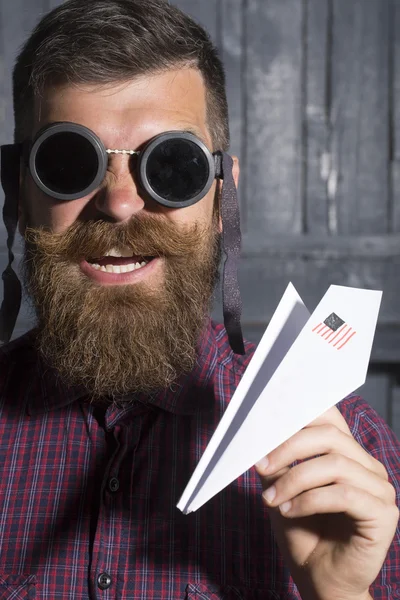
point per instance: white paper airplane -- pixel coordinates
(302, 367)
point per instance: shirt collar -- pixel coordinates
(186, 396)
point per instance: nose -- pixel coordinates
(119, 198)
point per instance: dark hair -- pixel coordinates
(109, 41)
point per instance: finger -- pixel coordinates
(369, 512)
(325, 471)
(314, 441)
(334, 416)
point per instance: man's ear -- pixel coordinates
(236, 175)
(236, 170)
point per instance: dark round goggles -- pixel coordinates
(69, 161)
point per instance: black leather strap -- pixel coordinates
(10, 159)
(231, 240)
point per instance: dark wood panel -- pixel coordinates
(274, 116)
(4, 84)
(394, 408)
(317, 139)
(203, 12)
(233, 56)
(377, 391)
(264, 279)
(394, 115)
(323, 247)
(385, 350)
(17, 19)
(359, 113)
(50, 4)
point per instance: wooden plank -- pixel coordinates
(385, 350)
(233, 56)
(377, 391)
(17, 20)
(50, 4)
(264, 279)
(395, 411)
(273, 32)
(322, 247)
(5, 85)
(394, 129)
(318, 157)
(360, 83)
(204, 13)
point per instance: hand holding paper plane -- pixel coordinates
(302, 366)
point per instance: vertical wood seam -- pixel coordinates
(328, 108)
(390, 122)
(304, 127)
(244, 125)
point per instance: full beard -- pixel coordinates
(119, 340)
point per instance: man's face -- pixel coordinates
(129, 331)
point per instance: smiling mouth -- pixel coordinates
(119, 261)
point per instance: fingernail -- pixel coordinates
(270, 494)
(286, 506)
(262, 463)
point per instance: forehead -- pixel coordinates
(130, 113)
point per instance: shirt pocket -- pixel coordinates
(201, 591)
(17, 587)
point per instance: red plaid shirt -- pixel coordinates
(88, 494)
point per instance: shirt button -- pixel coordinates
(113, 484)
(104, 581)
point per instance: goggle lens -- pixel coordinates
(66, 163)
(177, 170)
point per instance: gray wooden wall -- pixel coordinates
(314, 93)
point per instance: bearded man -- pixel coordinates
(125, 196)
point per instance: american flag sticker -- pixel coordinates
(335, 331)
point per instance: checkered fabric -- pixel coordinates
(88, 493)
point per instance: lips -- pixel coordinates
(121, 274)
(118, 260)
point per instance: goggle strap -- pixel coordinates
(231, 240)
(218, 164)
(10, 163)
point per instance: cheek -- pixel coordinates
(41, 210)
(201, 211)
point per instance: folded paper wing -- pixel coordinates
(302, 366)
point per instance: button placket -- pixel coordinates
(104, 581)
(113, 484)
(106, 558)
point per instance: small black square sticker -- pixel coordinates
(334, 322)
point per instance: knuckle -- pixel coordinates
(347, 493)
(293, 477)
(338, 462)
(331, 431)
(380, 468)
(310, 498)
(332, 437)
(287, 445)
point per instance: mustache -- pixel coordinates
(144, 235)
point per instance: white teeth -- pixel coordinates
(120, 253)
(119, 268)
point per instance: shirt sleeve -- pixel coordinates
(377, 438)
